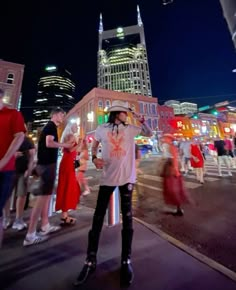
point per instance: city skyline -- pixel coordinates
(191, 54)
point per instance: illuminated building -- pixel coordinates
(11, 77)
(183, 108)
(165, 115)
(91, 111)
(55, 89)
(122, 59)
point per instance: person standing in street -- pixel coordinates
(222, 156)
(46, 169)
(118, 164)
(24, 166)
(174, 192)
(84, 157)
(12, 131)
(68, 191)
(197, 160)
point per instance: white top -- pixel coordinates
(166, 150)
(186, 147)
(118, 153)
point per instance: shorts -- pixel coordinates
(46, 179)
(186, 160)
(20, 185)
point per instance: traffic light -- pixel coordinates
(214, 112)
(195, 116)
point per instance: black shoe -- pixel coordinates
(126, 273)
(178, 212)
(89, 267)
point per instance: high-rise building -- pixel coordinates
(183, 108)
(122, 59)
(55, 89)
(11, 77)
(229, 11)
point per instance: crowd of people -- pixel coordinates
(20, 165)
(18, 168)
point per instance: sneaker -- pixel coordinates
(19, 225)
(86, 192)
(35, 240)
(6, 223)
(88, 268)
(49, 229)
(230, 174)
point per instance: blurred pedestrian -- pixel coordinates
(83, 160)
(24, 166)
(197, 160)
(12, 131)
(222, 156)
(173, 189)
(68, 191)
(118, 164)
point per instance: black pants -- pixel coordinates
(98, 218)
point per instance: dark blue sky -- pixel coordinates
(191, 55)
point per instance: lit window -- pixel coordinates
(10, 78)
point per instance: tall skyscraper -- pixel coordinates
(122, 59)
(229, 11)
(55, 89)
(11, 77)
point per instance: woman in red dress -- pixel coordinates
(197, 161)
(174, 192)
(68, 190)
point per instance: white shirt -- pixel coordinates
(118, 153)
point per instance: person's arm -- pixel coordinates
(145, 129)
(98, 162)
(50, 143)
(14, 146)
(29, 170)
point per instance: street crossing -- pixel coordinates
(153, 182)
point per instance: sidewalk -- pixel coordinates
(54, 265)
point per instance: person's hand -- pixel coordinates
(18, 154)
(99, 163)
(26, 174)
(138, 117)
(195, 159)
(177, 172)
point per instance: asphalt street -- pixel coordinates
(208, 225)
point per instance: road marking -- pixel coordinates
(188, 184)
(149, 186)
(194, 253)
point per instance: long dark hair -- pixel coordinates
(112, 118)
(111, 121)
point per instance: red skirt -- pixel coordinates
(68, 190)
(174, 192)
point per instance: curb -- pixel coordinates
(202, 258)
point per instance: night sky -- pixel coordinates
(190, 51)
